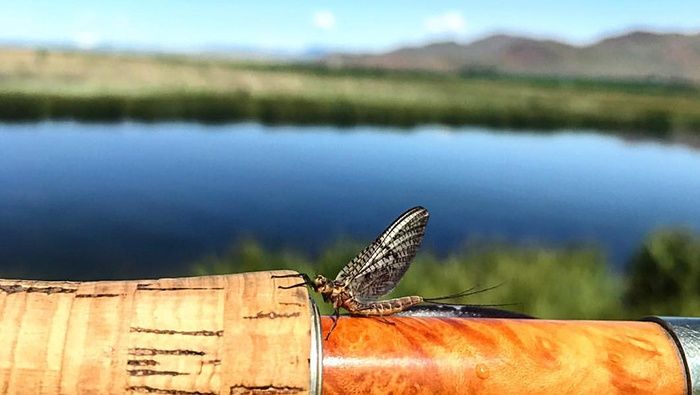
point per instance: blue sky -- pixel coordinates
(344, 25)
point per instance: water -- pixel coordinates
(91, 201)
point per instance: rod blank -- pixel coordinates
(498, 356)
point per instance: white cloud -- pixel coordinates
(86, 40)
(324, 20)
(450, 22)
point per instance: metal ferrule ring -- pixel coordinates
(686, 333)
(316, 355)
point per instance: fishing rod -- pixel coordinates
(242, 334)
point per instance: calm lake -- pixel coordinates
(93, 201)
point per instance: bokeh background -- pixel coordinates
(555, 145)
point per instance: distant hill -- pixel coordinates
(635, 55)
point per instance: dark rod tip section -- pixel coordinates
(459, 311)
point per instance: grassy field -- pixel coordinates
(663, 277)
(39, 84)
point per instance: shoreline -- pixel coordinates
(40, 85)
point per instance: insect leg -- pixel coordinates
(307, 280)
(379, 316)
(302, 275)
(382, 319)
(335, 317)
(294, 286)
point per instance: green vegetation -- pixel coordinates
(663, 278)
(665, 275)
(36, 85)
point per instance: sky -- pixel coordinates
(356, 25)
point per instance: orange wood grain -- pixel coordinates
(499, 356)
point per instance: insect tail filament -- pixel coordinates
(466, 292)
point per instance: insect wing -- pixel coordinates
(378, 268)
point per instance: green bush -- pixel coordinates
(664, 275)
(544, 282)
(662, 278)
(90, 109)
(653, 121)
(16, 107)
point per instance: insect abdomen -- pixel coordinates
(387, 307)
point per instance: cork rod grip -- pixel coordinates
(233, 334)
(410, 355)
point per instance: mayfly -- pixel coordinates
(376, 271)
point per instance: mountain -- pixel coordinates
(634, 55)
